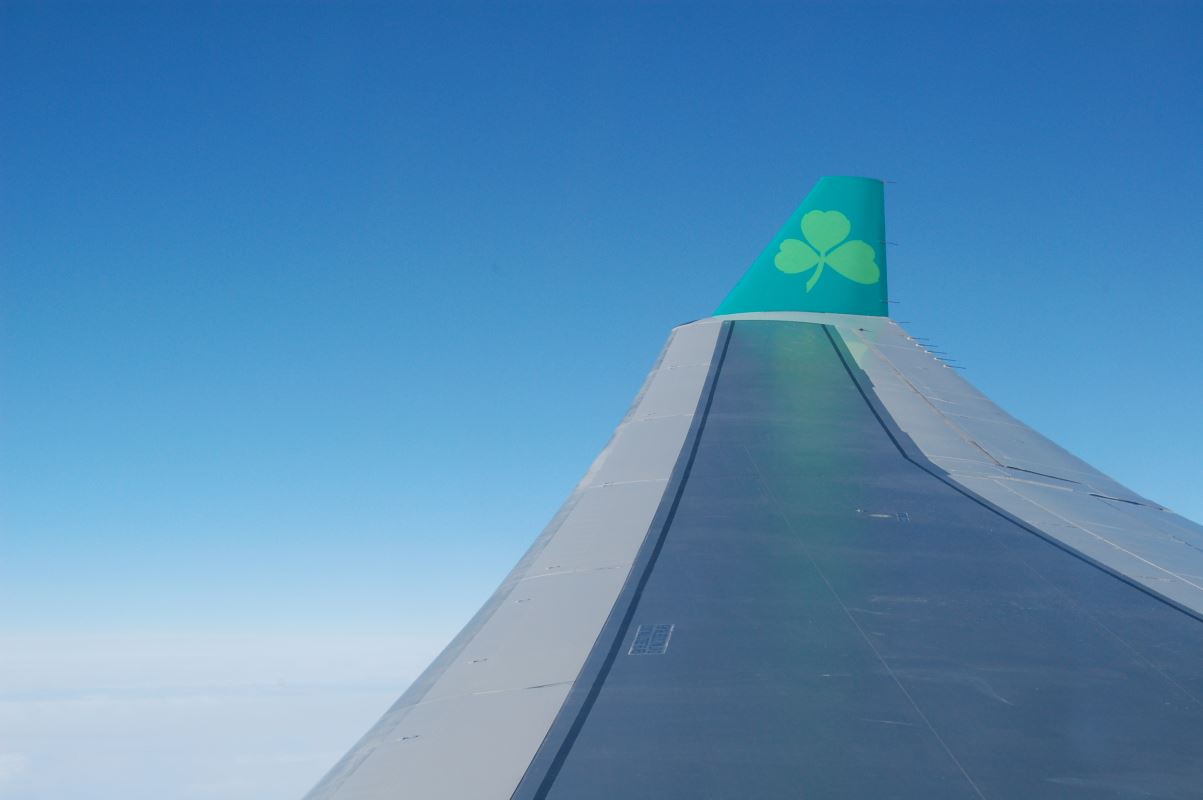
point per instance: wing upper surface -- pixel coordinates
(817, 614)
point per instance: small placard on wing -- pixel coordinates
(651, 640)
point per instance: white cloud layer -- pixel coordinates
(191, 718)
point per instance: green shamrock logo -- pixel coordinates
(825, 232)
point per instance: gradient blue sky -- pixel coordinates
(313, 314)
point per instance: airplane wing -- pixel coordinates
(814, 562)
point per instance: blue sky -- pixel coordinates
(313, 314)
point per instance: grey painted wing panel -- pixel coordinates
(493, 693)
(538, 637)
(468, 746)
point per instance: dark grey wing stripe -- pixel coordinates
(547, 762)
(910, 451)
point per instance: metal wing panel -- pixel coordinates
(987, 451)
(467, 746)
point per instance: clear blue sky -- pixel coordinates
(313, 314)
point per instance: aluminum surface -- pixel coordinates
(989, 452)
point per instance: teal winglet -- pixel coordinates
(829, 257)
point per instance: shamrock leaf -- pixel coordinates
(825, 232)
(825, 229)
(856, 261)
(795, 256)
